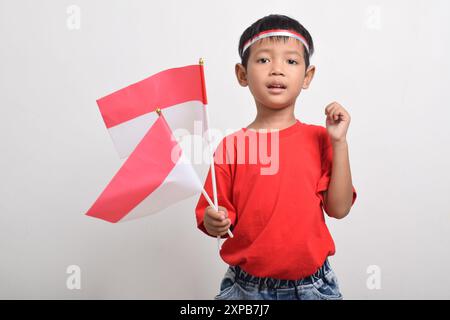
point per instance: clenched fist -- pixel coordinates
(337, 122)
(216, 222)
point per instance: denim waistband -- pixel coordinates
(242, 276)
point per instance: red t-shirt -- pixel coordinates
(274, 201)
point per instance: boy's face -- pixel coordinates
(275, 61)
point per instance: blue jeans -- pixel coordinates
(239, 285)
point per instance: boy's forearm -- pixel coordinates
(340, 189)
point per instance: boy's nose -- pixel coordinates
(276, 70)
(277, 73)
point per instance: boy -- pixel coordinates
(281, 243)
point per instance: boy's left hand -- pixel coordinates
(338, 120)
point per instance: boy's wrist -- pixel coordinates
(339, 143)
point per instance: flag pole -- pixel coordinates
(208, 134)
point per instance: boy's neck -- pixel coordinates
(267, 118)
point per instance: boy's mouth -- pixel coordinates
(276, 87)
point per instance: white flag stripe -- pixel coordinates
(127, 135)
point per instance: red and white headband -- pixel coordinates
(274, 33)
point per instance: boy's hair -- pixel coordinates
(275, 21)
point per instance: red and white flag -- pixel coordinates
(157, 173)
(153, 177)
(129, 112)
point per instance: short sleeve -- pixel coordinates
(224, 183)
(326, 157)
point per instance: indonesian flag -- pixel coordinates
(179, 92)
(157, 173)
(153, 177)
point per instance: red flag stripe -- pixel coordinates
(161, 90)
(142, 173)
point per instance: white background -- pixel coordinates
(386, 62)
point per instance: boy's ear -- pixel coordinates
(241, 74)
(308, 76)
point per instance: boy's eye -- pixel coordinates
(291, 61)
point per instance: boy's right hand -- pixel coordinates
(216, 222)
